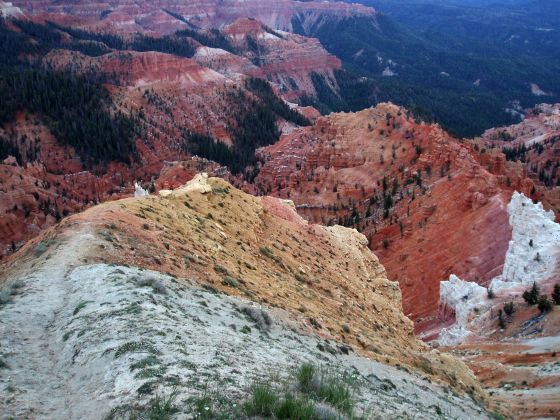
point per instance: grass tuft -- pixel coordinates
(135, 347)
(263, 401)
(291, 407)
(156, 372)
(79, 307)
(150, 360)
(324, 387)
(305, 375)
(317, 396)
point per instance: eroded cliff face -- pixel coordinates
(536, 141)
(285, 59)
(167, 16)
(135, 69)
(167, 96)
(430, 204)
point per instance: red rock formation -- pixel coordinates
(283, 58)
(287, 60)
(447, 211)
(539, 133)
(52, 182)
(169, 93)
(131, 68)
(167, 16)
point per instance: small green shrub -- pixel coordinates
(509, 308)
(266, 251)
(79, 307)
(532, 296)
(263, 401)
(337, 393)
(325, 387)
(259, 316)
(40, 249)
(135, 347)
(204, 408)
(161, 408)
(497, 416)
(501, 321)
(155, 284)
(145, 362)
(291, 407)
(230, 281)
(556, 294)
(156, 372)
(544, 304)
(219, 269)
(147, 388)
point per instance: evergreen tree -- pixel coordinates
(556, 294)
(532, 296)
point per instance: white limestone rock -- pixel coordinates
(139, 191)
(534, 249)
(198, 184)
(533, 255)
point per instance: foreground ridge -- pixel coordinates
(111, 325)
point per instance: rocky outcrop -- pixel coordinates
(223, 62)
(534, 250)
(533, 257)
(430, 204)
(495, 327)
(539, 125)
(7, 9)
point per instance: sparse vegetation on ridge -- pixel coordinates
(190, 339)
